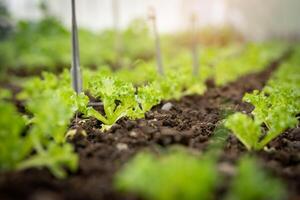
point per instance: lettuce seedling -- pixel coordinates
(176, 175)
(35, 86)
(147, 96)
(194, 86)
(52, 108)
(43, 145)
(276, 107)
(252, 182)
(55, 158)
(121, 99)
(170, 86)
(52, 114)
(118, 100)
(245, 129)
(268, 105)
(14, 147)
(249, 130)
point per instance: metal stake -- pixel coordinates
(118, 36)
(75, 70)
(195, 53)
(152, 18)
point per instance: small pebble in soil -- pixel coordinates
(133, 134)
(122, 146)
(167, 106)
(269, 149)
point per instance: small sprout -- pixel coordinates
(276, 109)
(14, 148)
(176, 175)
(121, 99)
(245, 129)
(44, 144)
(252, 182)
(55, 158)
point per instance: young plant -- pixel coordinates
(249, 130)
(176, 175)
(147, 96)
(251, 182)
(51, 117)
(43, 145)
(56, 157)
(276, 108)
(14, 147)
(118, 100)
(170, 86)
(52, 108)
(245, 129)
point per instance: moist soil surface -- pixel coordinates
(190, 122)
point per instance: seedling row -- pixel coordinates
(158, 120)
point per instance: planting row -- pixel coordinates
(177, 174)
(37, 139)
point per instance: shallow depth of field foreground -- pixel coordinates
(149, 100)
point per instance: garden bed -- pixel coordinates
(190, 122)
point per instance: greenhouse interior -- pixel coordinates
(149, 100)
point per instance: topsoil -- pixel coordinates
(190, 123)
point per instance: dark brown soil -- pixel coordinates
(190, 122)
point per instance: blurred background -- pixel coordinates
(255, 19)
(35, 34)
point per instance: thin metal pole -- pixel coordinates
(152, 17)
(75, 69)
(195, 52)
(118, 36)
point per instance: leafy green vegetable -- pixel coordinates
(45, 136)
(50, 108)
(118, 99)
(147, 96)
(55, 158)
(51, 117)
(176, 175)
(13, 147)
(276, 107)
(246, 130)
(169, 85)
(51, 103)
(252, 182)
